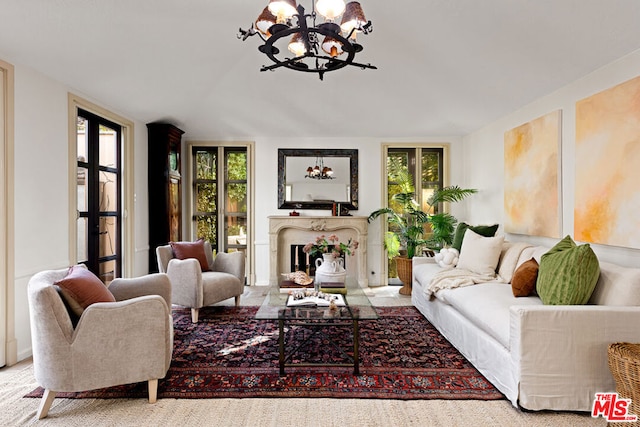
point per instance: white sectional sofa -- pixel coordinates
(539, 356)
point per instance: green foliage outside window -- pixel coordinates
(207, 197)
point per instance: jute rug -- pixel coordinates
(231, 354)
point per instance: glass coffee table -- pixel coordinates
(357, 307)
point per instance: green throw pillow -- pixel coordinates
(568, 274)
(483, 230)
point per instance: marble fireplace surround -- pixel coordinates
(285, 231)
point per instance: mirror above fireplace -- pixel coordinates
(317, 178)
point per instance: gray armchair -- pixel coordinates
(113, 343)
(191, 287)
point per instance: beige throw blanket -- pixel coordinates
(457, 277)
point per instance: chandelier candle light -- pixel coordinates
(316, 48)
(320, 171)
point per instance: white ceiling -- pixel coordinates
(445, 67)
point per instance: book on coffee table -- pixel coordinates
(333, 288)
(287, 285)
(315, 301)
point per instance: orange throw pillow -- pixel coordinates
(524, 279)
(81, 288)
(186, 250)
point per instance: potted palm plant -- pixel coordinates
(408, 230)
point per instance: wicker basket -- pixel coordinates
(624, 363)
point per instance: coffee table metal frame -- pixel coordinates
(318, 319)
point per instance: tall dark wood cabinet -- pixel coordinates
(165, 198)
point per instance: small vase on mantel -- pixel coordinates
(330, 269)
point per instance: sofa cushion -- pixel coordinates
(487, 305)
(480, 254)
(186, 250)
(523, 282)
(510, 259)
(80, 288)
(568, 274)
(483, 230)
(617, 286)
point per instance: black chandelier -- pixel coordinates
(283, 18)
(320, 171)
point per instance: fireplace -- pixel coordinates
(289, 234)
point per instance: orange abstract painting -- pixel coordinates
(607, 195)
(532, 177)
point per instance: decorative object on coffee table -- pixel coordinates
(331, 267)
(299, 279)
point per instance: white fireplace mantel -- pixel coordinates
(285, 231)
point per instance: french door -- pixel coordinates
(220, 197)
(426, 167)
(99, 220)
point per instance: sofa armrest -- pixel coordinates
(564, 349)
(186, 282)
(151, 284)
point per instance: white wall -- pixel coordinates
(41, 188)
(484, 154)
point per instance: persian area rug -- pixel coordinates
(231, 354)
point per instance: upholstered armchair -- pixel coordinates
(200, 280)
(112, 343)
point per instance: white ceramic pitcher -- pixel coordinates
(330, 269)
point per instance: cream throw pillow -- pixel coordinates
(480, 254)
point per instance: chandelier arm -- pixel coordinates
(341, 61)
(284, 63)
(356, 64)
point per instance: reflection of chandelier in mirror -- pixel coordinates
(319, 171)
(316, 48)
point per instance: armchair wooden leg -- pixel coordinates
(194, 315)
(45, 403)
(237, 300)
(153, 391)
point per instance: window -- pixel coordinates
(220, 196)
(425, 165)
(99, 200)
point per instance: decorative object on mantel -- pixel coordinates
(312, 53)
(411, 221)
(319, 171)
(294, 213)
